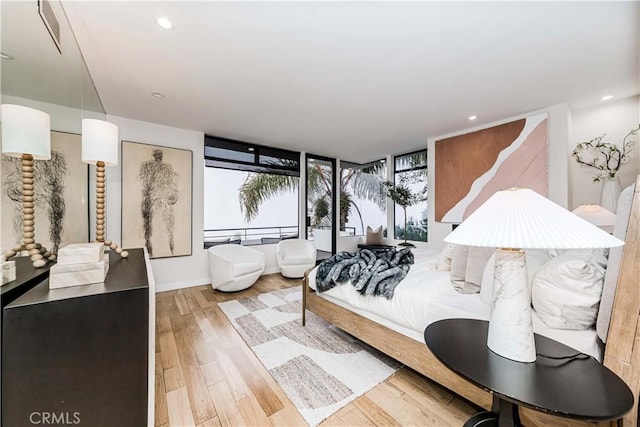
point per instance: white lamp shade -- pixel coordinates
(522, 218)
(596, 215)
(99, 142)
(25, 131)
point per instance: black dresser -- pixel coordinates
(80, 355)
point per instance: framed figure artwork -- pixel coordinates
(157, 199)
(61, 194)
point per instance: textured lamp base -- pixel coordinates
(100, 212)
(510, 326)
(39, 254)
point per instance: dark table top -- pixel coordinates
(572, 387)
(27, 276)
(124, 274)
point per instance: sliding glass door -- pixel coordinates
(321, 203)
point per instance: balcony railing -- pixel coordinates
(256, 235)
(251, 233)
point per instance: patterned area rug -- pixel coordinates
(319, 367)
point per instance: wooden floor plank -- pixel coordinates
(374, 413)
(179, 408)
(183, 307)
(161, 412)
(201, 404)
(228, 412)
(252, 412)
(212, 373)
(167, 343)
(267, 399)
(173, 379)
(211, 422)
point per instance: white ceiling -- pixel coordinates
(350, 79)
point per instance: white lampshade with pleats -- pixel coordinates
(512, 220)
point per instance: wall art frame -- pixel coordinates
(471, 167)
(157, 199)
(61, 195)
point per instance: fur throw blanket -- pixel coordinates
(370, 272)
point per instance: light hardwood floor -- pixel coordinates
(207, 376)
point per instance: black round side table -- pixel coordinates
(562, 381)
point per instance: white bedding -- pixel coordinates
(426, 296)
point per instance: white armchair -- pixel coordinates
(295, 256)
(234, 267)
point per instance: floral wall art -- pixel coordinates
(156, 199)
(469, 168)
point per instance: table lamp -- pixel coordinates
(597, 215)
(26, 133)
(100, 148)
(512, 220)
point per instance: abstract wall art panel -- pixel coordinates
(469, 168)
(61, 187)
(156, 199)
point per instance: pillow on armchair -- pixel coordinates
(374, 237)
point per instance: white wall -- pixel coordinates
(558, 155)
(175, 272)
(614, 118)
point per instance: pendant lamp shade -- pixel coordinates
(522, 218)
(99, 142)
(25, 131)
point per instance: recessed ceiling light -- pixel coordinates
(6, 56)
(251, 149)
(158, 94)
(473, 117)
(606, 98)
(164, 22)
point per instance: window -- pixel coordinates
(362, 200)
(250, 193)
(410, 170)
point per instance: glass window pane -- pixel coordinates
(411, 161)
(227, 194)
(362, 199)
(223, 153)
(320, 203)
(411, 171)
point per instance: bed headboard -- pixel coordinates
(615, 261)
(622, 352)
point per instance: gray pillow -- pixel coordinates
(374, 237)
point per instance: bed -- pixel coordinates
(396, 326)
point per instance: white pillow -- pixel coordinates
(535, 259)
(467, 266)
(566, 290)
(444, 260)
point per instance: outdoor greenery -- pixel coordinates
(354, 183)
(402, 195)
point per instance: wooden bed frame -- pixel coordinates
(622, 351)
